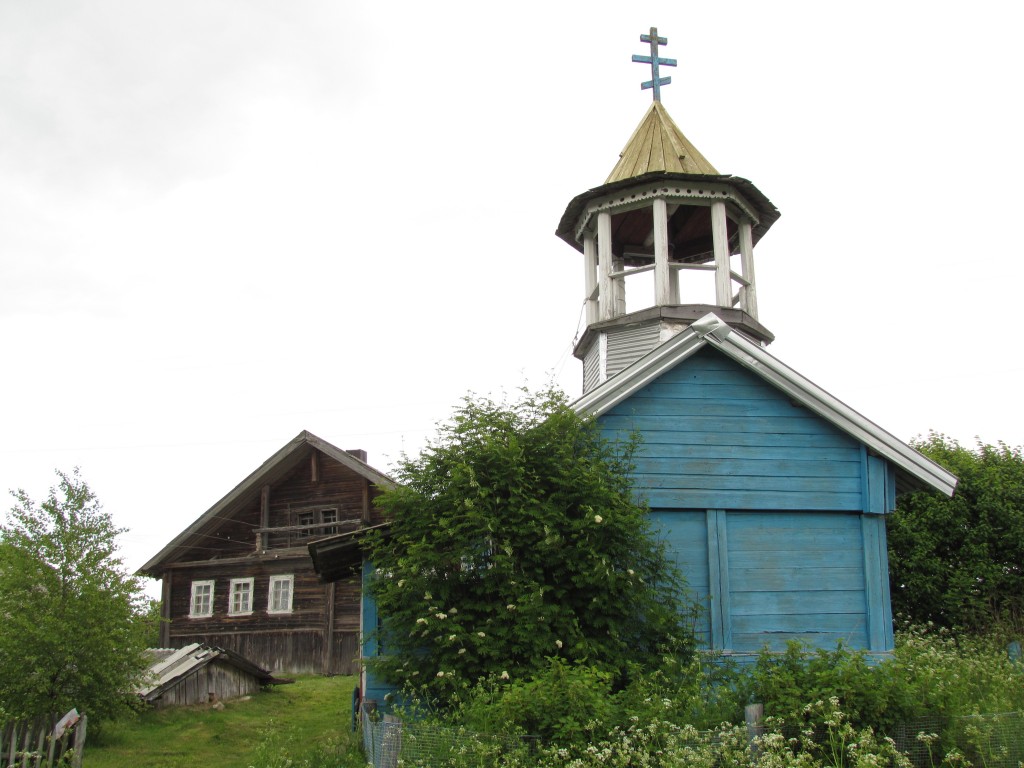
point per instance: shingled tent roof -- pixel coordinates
(657, 144)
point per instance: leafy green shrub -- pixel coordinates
(563, 703)
(827, 708)
(870, 696)
(703, 691)
(942, 673)
(958, 561)
(514, 537)
(73, 629)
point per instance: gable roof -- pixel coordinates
(271, 470)
(657, 144)
(912, 468)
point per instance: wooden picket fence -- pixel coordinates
(43, 742)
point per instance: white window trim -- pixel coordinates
(231, 597)
(192, 600)
(291, 594)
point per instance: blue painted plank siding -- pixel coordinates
(772, 514)
(706, 448)
(684, 533)
(796, 576)
(374, 688)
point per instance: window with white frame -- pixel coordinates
(202, 599)
(240, 597)
(280, 594)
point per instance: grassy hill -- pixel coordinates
(308, 720)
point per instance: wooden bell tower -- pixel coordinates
(664, 209)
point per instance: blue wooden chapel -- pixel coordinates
(770, 493)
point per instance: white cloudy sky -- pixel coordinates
(225, 221)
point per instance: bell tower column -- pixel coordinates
(662, 274)
(723, 269)
(748, 294)
(604, 261)
(590, 277)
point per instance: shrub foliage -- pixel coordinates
(515, 538)
(72, 632)
(959, 562)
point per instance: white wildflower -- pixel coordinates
(598, 519)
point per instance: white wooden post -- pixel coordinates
(723, 269)
(590, 277)
(604, 260)
(618, 287)
(749, 293)
(662, 277)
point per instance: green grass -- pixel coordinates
(294, 718)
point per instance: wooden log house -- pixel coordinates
(240, 576)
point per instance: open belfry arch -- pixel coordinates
(664, 209)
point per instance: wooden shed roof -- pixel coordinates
(170, 666)
(913, 469)
(270, 471)
(340, 556)
(657, 144)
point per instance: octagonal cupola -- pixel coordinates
(671, 228)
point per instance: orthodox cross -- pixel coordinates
(655, 61)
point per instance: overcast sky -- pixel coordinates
(223, 222)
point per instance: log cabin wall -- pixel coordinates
(319, 634)
(291, 642)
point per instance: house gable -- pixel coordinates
(913, 471)
(717, 436)
(240, 576)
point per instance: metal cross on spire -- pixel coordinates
(655, 61)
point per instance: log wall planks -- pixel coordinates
(320, 632)
(773, 515)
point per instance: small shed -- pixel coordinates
(201, 674)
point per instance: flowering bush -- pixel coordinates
(516, 536)
(829, 719)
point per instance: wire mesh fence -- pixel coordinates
(389, 742)
(989, 740)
